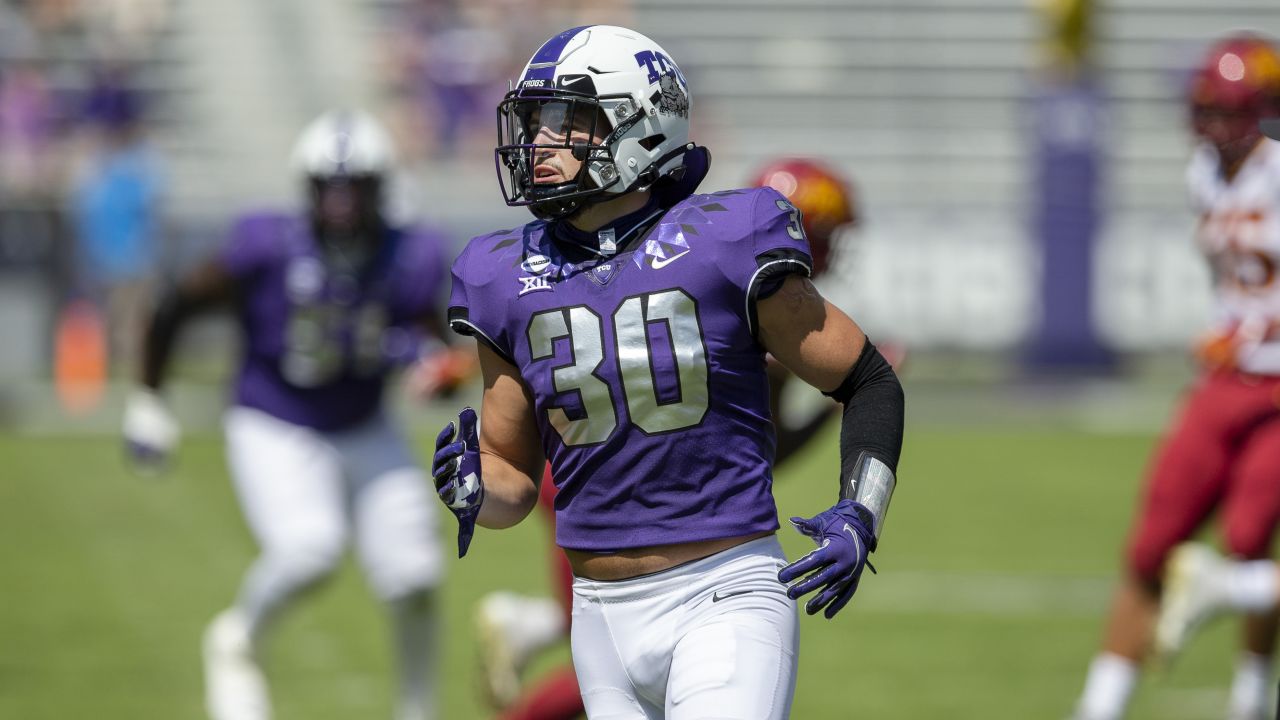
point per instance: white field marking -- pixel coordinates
(956, 593)
(1191, 703)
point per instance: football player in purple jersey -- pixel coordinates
(329, 304)
(513, 628)
(622, 337)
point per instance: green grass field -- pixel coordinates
(995, 569)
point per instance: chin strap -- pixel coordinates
(555, 209)
(646, 179)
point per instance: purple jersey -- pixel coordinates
(319, 342)
(648, 381)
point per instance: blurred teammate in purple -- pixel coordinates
(622, 337)
(329, 304)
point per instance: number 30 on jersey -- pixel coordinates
(636, 374)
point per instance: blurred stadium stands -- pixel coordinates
(926, 103)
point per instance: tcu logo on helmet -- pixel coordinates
(674, 101)
(673, 98)
(659, 65)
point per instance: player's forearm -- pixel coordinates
(158, 340)
(207, 286)
(509, 493)
(870, 434)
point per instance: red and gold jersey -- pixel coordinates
(1239, 233)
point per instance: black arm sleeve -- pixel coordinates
(873, 412)
(206, 288)
(157, 342)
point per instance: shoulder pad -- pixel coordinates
(493, 255)
(264, 225)
(260, 238)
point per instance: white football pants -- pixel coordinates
(715, 639)
(305, 493)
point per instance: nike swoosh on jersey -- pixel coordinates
(659, 263)
(717, 596)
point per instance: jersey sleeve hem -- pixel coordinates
(460, 323)
(773, 265)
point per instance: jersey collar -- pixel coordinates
(621, 232)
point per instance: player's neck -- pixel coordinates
(593, 217)
(1229, 163)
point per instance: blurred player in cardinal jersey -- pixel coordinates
(329, 303)
(623, 337)
(1200, 583)
(1223, 450)
(514, 628)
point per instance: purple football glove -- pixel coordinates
(150, 431)
(456, 469)
(844, 540)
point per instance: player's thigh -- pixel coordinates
(1187, 478)
(1252, 506)
(608, 691)
(289, 483)
(739, 661)
(393, 509)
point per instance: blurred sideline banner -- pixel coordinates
(970, 281)
(1067, 109)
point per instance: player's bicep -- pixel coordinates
(508, 428)
(811, 337)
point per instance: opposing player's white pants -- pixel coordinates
(714, 639)
(305, 494)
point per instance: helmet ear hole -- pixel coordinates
(653, 141)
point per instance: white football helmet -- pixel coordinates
(344, 158)
(343, 143)
(613, 76)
